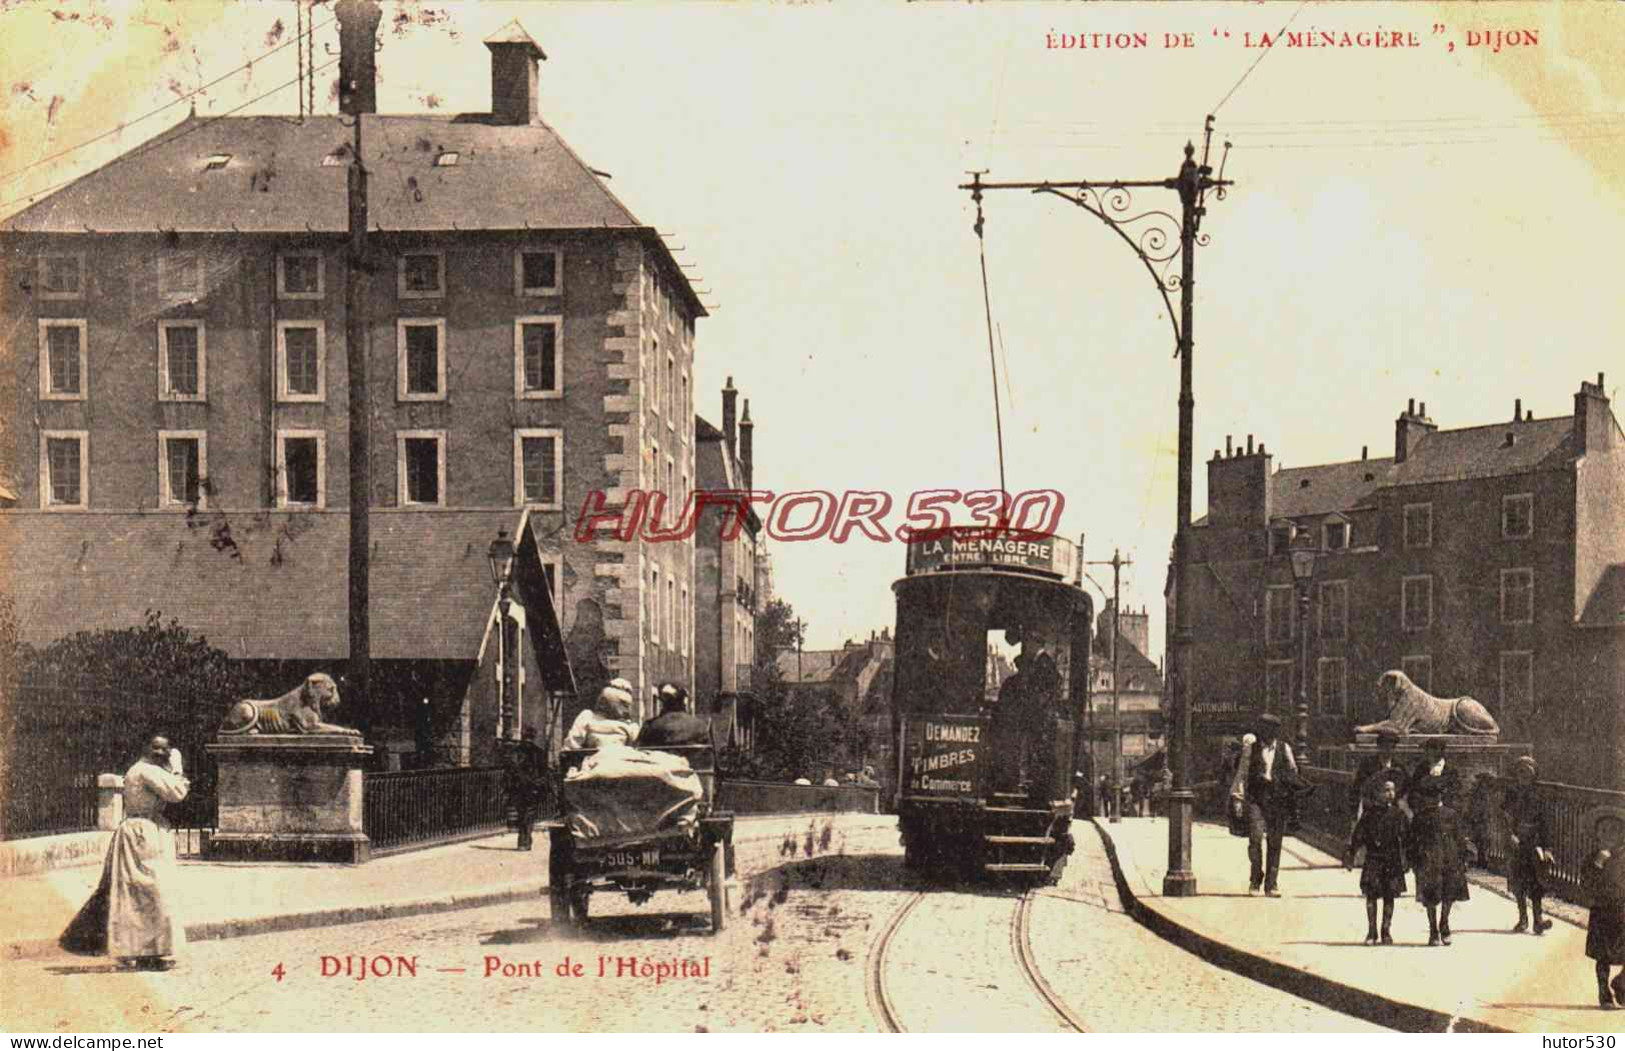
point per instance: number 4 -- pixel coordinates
(276, 972)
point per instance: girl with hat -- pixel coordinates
(1604, 877)
(1531, 846)
(1381, 831)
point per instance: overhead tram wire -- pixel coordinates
(1262, 55)
(987, 309)
(164, 141)
(177, 100)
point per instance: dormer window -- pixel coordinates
(446, 159)
(1336, 536)
(217, 162)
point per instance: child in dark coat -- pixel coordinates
(1381, 831)
(1531, 842)
(1434, 850)
(1605, 935)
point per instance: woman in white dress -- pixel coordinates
(131, 916)
(608, 723)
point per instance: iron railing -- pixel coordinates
(413, 809)
(1330, 812)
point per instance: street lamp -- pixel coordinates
(1303, 571)
(501, 555)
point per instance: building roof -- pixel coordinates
(812, 667)
(258, 585)
(1139, 672)
(1330, 487)
(274, 180)
(1489, 451)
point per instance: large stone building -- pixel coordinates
(1486, 561)
(728, 570)
(178, 399)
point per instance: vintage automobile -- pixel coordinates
(694, 851)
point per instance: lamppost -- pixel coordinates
(1162, 242)
(1303, 571)
(501, 556)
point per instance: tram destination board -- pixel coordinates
(943, 754)
(1035, 553)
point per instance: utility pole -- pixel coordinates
(359, 26)
(1117, 562)
(1150, 236)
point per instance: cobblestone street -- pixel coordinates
(795, 959)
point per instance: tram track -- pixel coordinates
(965, 987)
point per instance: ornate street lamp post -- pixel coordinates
(1303, 571)
(501, 557)
(1161, 241)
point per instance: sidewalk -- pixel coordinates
(229, 900)
(1310, 942)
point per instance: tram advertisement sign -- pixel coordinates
(1046, 554)
(943, 754)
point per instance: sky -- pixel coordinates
(1436, 222)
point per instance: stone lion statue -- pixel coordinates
(299, 711)
(1412, 709)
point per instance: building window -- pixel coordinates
(651, 604)
(538, 272)
(1331, 686)
(62, 276)
(183, 464)
(1418, 525)
(1416, 603)
(180, 275)
(64, 470)
(301, 477)
(684, 407)
(1418, 669)
(1518, 516)
(1277, 686)
(682, 625)
(671, 391)
(1517, 596)
(654, 369)
(553, 572)
(538, 467)
(422, 275)
(1334, 609)
(301, 275)
(1335, 536)
(62, 367)
(301, 361)
(420, 359)
(1278, 613)
(1280, 540)
(536, 371)
(181, 361)
(421, 456)
(671, 612)
(1517, 683)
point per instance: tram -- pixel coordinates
(992, 679)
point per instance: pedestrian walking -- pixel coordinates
(1434, 774)
(1381, 831)
(131, 915)
(1434, 849)
(522, 781)
(1372, 772)
(1531, 842)
(1605, 881)
(1263, 787)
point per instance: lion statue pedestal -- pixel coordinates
(290, 784)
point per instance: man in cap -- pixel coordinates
(1263, 784)
(674, 725)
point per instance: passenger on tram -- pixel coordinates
(1022, 716)
(674, 725)
(607, 723)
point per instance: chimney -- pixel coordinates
(514, 93)
(358, 48)
(747, 443)
(1409, 429)
(1365, 451)
(1238, 488)
(730, 433)
(1517, 409)
(1593, 422)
